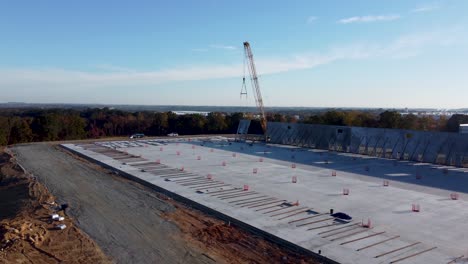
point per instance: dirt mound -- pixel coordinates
(218, 233)
(226, 243)
(27, 232)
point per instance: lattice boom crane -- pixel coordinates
(255, 86)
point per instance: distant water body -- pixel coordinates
(190, 113)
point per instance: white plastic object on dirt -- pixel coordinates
(61, 226)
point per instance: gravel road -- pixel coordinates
(123, 217)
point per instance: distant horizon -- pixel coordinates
(227, 106)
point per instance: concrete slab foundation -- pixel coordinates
(384, 228)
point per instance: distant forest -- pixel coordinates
(31, 125)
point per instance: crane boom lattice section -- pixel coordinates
(255, 85)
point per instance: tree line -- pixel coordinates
(388, 119)
(20, 126)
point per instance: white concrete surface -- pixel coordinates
(441, 223)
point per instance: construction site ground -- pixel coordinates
(135, 224)
(27, 234)
(415, 211)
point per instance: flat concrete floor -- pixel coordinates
(299, 212)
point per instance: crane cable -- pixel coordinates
(244, 86)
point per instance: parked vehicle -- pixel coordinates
(172, 135)
(137, 136)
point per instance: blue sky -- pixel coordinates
(308, 53)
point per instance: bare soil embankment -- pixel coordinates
(27, 234)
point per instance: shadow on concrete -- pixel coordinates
(432, 175)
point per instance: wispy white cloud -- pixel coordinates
(215, 46)
(112, 68)
(61, 79)
(311, 19)
(368, 19)
(426, 8)
(224, 47)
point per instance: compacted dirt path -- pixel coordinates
(134, 224)
(27, 233)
